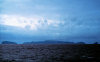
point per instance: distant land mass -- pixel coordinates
(52, 42)
(8, 42)
(44, 42)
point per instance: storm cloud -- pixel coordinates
(68, 20)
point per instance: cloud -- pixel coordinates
(33, 23)
(58, 18)
(69, 26)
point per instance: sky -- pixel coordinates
(38, 20)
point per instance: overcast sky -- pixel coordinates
(35, 20)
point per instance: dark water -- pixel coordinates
(50, 53)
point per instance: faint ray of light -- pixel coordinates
(19, 21)
(29, 23)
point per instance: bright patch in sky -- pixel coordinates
(32, 23)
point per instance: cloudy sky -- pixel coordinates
(36, 20)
